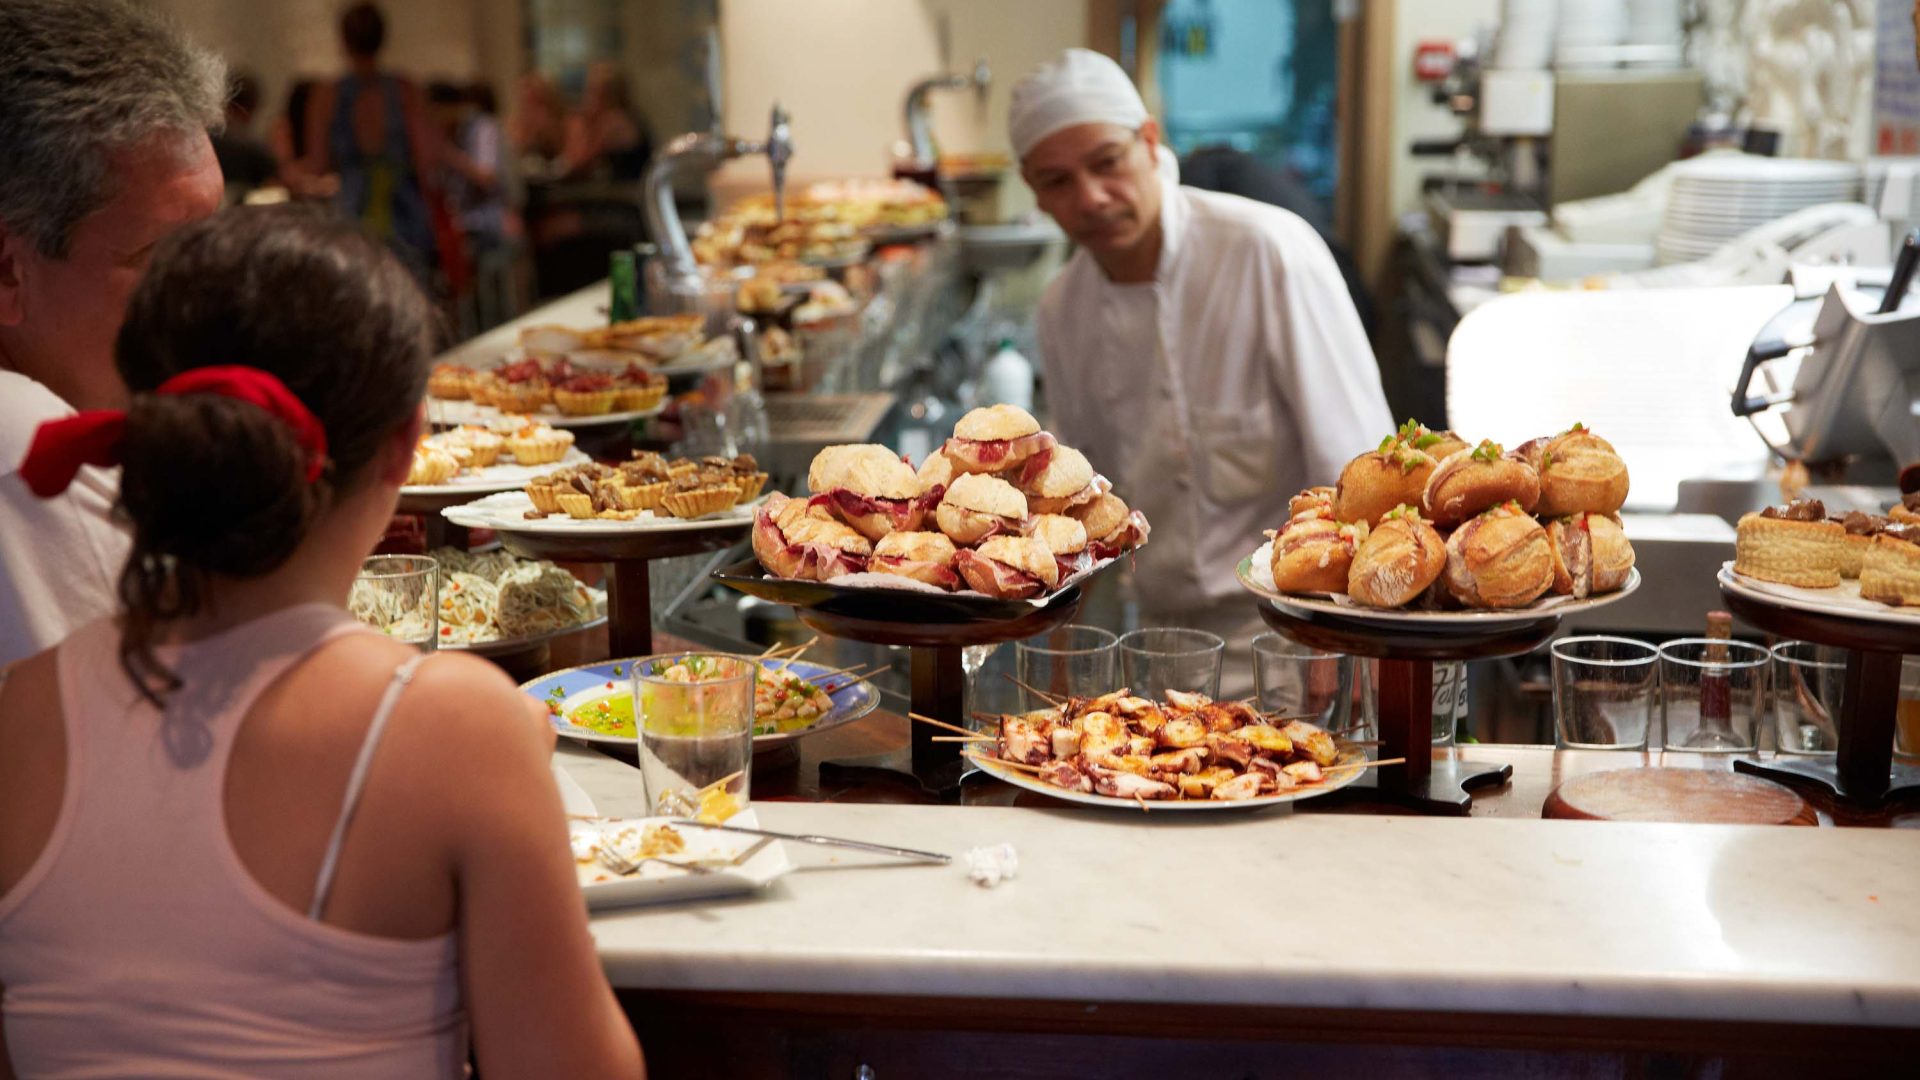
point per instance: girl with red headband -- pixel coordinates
(240, 834)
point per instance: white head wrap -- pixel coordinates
(1080, 86)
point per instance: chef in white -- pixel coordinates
(1202, 348)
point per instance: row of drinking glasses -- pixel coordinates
(1701, 694)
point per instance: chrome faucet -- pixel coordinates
(707, 150)
(919, 132)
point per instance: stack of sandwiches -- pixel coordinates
(1001, 508)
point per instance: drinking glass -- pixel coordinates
(1159, 659)
(1604, 689)
(399, 595)
(1713, 693)
(1807, 680)
(1072, 661)
(1301, 681)
(1906, 732)
(695, 714)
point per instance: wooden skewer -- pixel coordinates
(1050, 699)
(1019, 766)
(1367, 764)
(1142, 802)
(798, 653)
(955, 728)
(839, 671)
(723, 781)
(964, 738)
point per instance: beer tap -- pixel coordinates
(919, 131)
(679, 273)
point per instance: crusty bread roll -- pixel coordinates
(1377, 481)
(1112, 528)
(1062, 535)
(1471, 481)
(1313, 554)
(1580, 473)
(922, 556)
(1056, 480)
(1396, 562)
(1314, 501)
(1499, 559)
(796, 540)
(935, 472)
(1795, 546)
(1009, 567)
(866, 468)
(995, 439)
(1890, 570)
(976, 507)
(1591, 555)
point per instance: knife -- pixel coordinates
(826, 841)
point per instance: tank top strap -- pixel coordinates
(357, 780)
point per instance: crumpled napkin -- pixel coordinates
(989, 866)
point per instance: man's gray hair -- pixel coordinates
(80, 79)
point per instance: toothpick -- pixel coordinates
(840, 671)
(955, 728)
(723, 781)
(1050, 699)
(1142, 802)
(1366, 764)
(963, 738)
(1019, 766)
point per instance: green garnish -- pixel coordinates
(1546, 459)
(1577, 426)
(1402, 511)
(1386, 444)
(1429, 439)
(1412, 429)
(1488, 450)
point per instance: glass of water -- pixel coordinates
(1073, 661)
(1713, 694)
(1302, 681)
(695, 715)
(1807, 680)
(1604, 692)
(1158, 659)
(399, 595)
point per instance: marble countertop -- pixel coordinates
(1340, 911)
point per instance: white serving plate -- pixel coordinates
(762, 861)
(1334, 782)
(506, 513)
(496, 477)
(1843, 600)
(1256, 576)
(442, 413)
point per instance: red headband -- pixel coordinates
(60, 447)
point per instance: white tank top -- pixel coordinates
(138, 945)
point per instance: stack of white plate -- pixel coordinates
(1588, 29)
(1877, 170)
(1717, 198)
(1526, 34)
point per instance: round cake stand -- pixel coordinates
(1406, 659)
(939, 686)
(440, 531)
(1862, 770)
(629, 586)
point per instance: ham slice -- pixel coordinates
(995, 578)
(921, 570)
(805, 561)
(1131, 534)
(994, 455)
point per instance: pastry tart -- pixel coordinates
(1890, 570)
(1792, 546)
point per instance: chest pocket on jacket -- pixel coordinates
(1237, 449)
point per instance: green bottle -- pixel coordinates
(625, 278)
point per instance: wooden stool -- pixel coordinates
(1693, 796)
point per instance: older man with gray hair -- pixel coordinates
(104, 114)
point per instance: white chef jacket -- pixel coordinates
(1213, 394)
(60, 558)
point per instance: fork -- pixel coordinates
(634, 866)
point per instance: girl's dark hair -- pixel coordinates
(214, 487)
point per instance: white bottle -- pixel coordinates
(1008, 378)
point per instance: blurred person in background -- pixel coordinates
(474, 178)
(603, 141)
(288, 138)
(370, 127)
(537, 124)
(104, 113)
(245, 159)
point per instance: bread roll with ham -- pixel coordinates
(1314, 554)
(1591, 555)
(1580, 473)
(1376, 482)
(1112, 528)
(1499, 559)
(978, 507)
(925, 557)
(1009, 567)
(868, 488)
(1057, 479)
(1067, 538)
(1471, 481)
(795, 539)
(994, 439)
(1397, 561)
